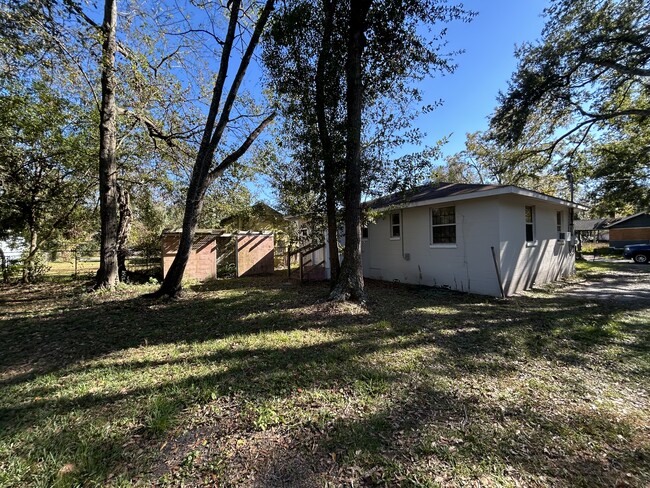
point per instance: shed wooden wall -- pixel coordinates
(202, 262)
(255, 254)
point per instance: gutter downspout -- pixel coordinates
(401, 220)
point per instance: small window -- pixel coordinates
(559, 224)
(443, 225)
(364, 232)
(395, 226)
(530, 224)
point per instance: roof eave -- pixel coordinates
(613, 224)
(504, 190)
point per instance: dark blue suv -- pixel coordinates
(639, 252)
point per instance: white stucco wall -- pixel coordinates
(544, 260)
(468, 265)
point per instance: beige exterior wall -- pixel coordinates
(468, 265)
(544, 260)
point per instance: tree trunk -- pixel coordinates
(350, 284)
(172, 283)
(124, 228)
(4, 267)
(202, 173)
(107, 276)
(329, 166)
(30, 265)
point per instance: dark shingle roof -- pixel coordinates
(430, 191)
(593, 224)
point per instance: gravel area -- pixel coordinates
(627, 281)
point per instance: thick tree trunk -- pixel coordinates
(124, 228)
(108, 276)
(329, 165)
(350, 284)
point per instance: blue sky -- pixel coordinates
(489, 41)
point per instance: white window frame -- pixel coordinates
(392, 226)
(532, 224)
(559, 224)
(432, 226)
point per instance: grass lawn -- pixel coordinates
(255, 382)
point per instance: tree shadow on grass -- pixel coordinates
(431, 436)
(465, 334)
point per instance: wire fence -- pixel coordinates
(79, 264)
(83, 263)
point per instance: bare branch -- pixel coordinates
(235, 155)
(199, 31)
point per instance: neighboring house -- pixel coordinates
(259, 216)
(634, 229)
(592, 230)
(469, 237)
(263, 217)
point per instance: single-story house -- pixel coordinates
(13, 249)
(634, 229)
(486, 239)
(217, 253)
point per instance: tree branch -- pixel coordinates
(235, 155)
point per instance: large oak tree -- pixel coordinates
(347, 70)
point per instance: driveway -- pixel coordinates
(621, 280)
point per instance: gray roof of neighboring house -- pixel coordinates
(592, 224)
(643, 217)
(444, 192)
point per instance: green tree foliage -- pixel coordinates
(621, 168)
(590, 53)
(581, 96)
(309, 55)
(46, 166)
(486, 161)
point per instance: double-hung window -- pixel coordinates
(530, 223)
(395, 225)
(443, 225)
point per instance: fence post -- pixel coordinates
(300, 266)
(75, 263)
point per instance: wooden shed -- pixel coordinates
(216, 253)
